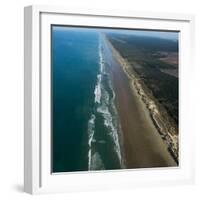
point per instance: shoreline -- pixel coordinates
(148, 114)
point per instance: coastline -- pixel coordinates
(146, 143)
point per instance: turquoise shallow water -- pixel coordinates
(85, 127)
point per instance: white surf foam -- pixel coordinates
(97, 162)
(116, 123)
(91, 126)
(97, 91)
(110, 123)
(105, 103)
(103, 108)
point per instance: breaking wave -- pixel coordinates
(105, 106)
(97, 91)
(91, 126)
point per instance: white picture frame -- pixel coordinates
(37, 144)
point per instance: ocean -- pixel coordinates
(85, 124)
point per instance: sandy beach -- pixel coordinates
(142, 145)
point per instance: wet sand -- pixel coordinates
(142, 145)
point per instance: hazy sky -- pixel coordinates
(171, 35)
(160, 34)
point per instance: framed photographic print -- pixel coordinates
(107, 101)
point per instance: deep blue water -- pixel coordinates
(84, 123)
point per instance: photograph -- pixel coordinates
(114, 98)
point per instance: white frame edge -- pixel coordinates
(32, 72)
(31, 32)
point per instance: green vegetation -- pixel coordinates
(144, 54)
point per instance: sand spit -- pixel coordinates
(167, 131)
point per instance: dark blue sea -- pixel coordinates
(85, 125)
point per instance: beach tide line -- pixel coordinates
(171, 140)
